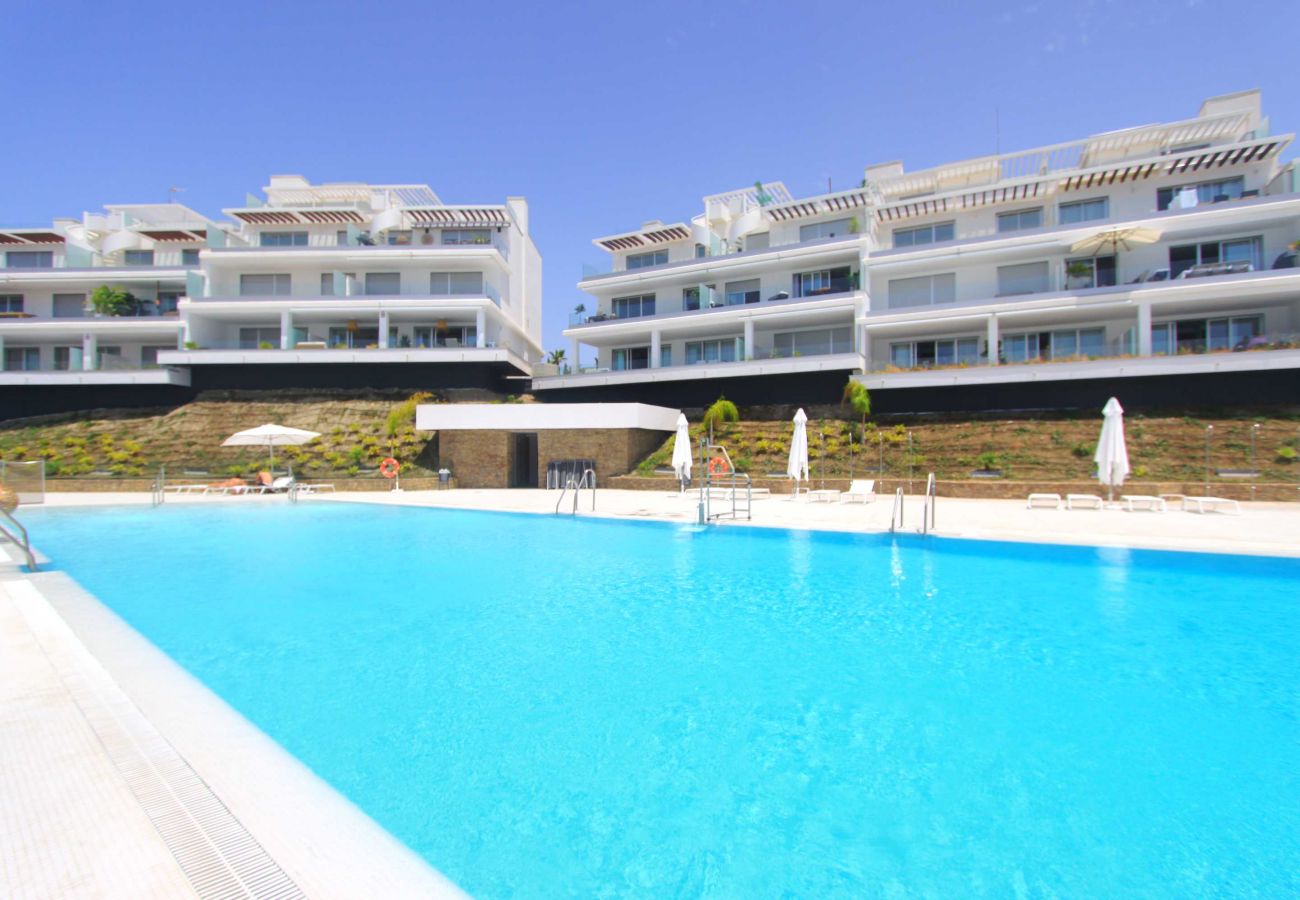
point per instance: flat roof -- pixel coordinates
(543, 416)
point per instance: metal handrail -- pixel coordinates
(587, 480)
(735, 477)
(927, 511)
(20, 539)
(896, 514)
(157, 493)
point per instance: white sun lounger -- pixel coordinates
(1048, 501)
(315, 488)
(1211, 504)
(1134, 502)
(862, 491)
(1083, 501)
(185, 489)
(823, 496)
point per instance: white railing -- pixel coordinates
(927, 510)
(896, 514)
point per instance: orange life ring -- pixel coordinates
(718, 466)
(388, 468)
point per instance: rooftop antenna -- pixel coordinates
(172, 192)
(829, 189)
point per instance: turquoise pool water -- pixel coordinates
(547, 707)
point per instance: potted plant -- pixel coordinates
(1079, 273)
(109, 301)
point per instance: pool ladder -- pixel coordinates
(157, 492)
(588, 480)
(14, 530)
(927, 507)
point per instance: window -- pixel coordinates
(30, 259)
(923, 291)
(399, 238)
(283, 238)
(925, 234)
(22, 359)
(109, 358)
(631, 358)
(691, 297)
(825, 281)
(253, 338)
(1020, 220)
(69, 306)
(451, 283)
(722, 350)
(462, 236)
(67, 359)
(327, 284)
(1076, 342)
(737, 293)
(1199, 335)
(1189, 195)
(260, 285)
(1083, 211)
(760, 240)
(927, 354)
(1018, 348)
(1090, 272)
(701, 251)
(149, 355)
(167, 301)
(11, 303)
(1026, 278)
(817, 230)
(341, 238)
(812, 343)
(137, 258)
(385, 284)
(665, 356)
(451, 336)
(1247, 250)
(633, 307)
(645, 260)
(189, 257)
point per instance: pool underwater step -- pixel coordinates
(213, 849)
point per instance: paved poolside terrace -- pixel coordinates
(123, 776)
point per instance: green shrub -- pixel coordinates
(1286, 454)
(722, 411)
(1082, 450)
(989, 461)
(53, 467)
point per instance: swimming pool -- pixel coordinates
(594, 708)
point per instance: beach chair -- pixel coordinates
(1083, 501)
(1211, 504)
(860, 491)
(1134, 502)
(1043, 501)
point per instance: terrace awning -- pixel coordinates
(458, 216)
(30, 237)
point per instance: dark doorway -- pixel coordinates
(524, 468)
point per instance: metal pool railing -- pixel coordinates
(14, 531)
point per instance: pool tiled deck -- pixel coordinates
(107, 747)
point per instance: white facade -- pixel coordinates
(336, 273)
(367, 273)
(49, 332)
(971, 264)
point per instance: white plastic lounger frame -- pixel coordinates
(1083, 501)
(1134, 502)
(1211, 504)
(1046, 501)
(861, 491)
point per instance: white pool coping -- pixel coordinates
(71, 824)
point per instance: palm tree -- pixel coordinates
(556, 357)
(857, 396)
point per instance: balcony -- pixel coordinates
(592, 274)
(780, 299)
(771, 365)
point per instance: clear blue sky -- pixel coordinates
(603, 115)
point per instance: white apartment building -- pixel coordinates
(1156, 258)
(53, 340)
(329, 285)
(319, 280)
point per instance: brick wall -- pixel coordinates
(477, 459)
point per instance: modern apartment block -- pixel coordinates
(1149, 262)
(330, 285)
(58, 352)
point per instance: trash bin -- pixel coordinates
(444, 479)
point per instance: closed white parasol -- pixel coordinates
(1112, 453)
(797, 468)
(682, 450)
